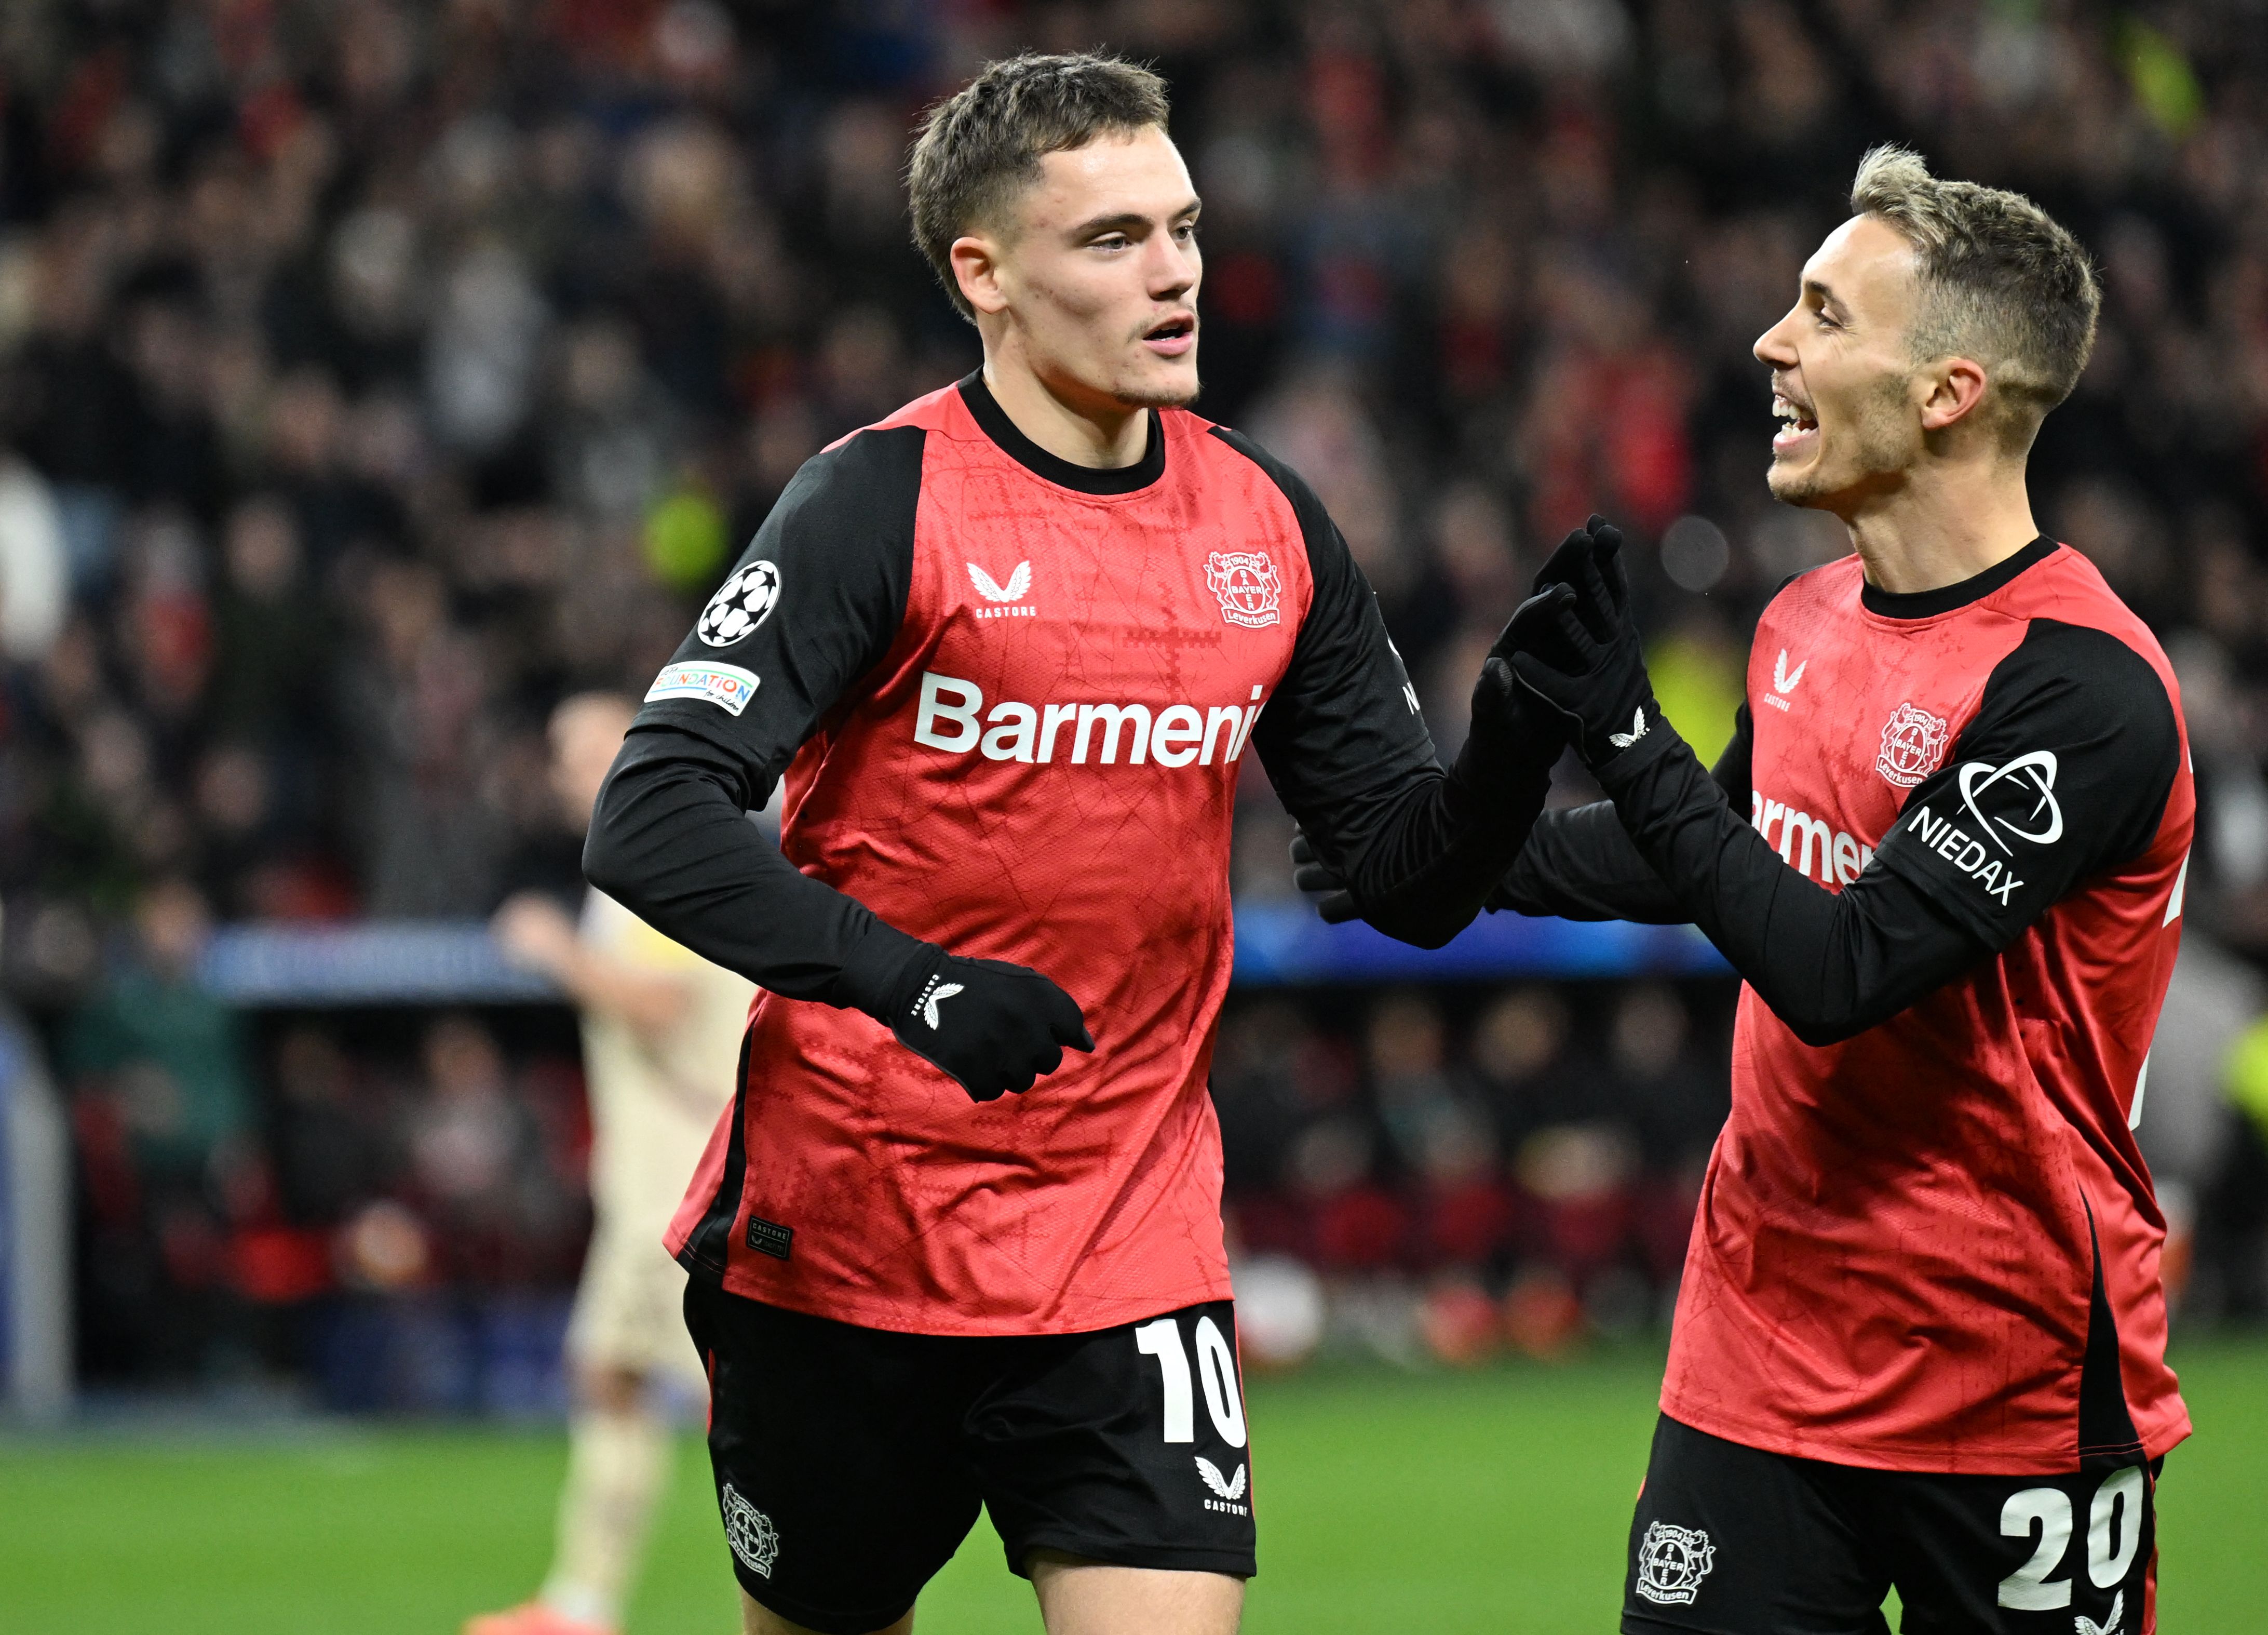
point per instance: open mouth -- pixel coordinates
(1173, 336)
(1797, 422)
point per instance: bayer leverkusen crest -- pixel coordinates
(1246, 583)
(1913, 745)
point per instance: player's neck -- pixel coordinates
(1938, 532)
(1101, 433)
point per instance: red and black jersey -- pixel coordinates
(1950, 867)
(1011, 697)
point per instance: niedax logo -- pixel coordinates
(1245, 585)
(750, 1533)
(1672, 1561)
(1913, 745)
(740, 604)
(1005, 596)
(2028, 777)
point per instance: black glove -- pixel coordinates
(991, 1026)
(1311, 874)
(1576, 651)
(1506, 720)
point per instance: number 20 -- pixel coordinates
(1216, 1372)
(2028, 1589)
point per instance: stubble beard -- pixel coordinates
(1879, 445)
(1162, 396)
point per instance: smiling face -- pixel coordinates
(1094, 280)
(1843, 380)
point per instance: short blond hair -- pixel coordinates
(2001, 281)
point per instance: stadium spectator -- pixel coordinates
(370, 380)
(163, 1111)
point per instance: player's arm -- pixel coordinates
(1580, 863)
(1350, 756)
(2063, 771)
(670, 839)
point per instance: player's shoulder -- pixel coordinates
(872, 472)
(1225, 448)
(1224, 455)
(2117, 676)
(2068, 589)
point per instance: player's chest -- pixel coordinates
(1849, 719)
(1157, 603)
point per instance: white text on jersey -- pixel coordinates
(951, 717)
(1842, 858)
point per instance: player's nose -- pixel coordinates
(1775, 347)
(1173, 268)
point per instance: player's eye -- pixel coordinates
(1112, 241)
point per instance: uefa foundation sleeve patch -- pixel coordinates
(727, 686)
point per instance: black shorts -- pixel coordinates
(1736, 1540)
(850, 1463)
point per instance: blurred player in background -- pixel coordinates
(1008, 647)
(662, 1042)
(1920, 1338)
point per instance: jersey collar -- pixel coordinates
(1946, 598)
(1061, 472)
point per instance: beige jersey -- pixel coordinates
(655, 1100)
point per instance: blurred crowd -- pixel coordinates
(1540, 1146)
(372, 373)
(353, 1203)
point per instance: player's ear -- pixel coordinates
(975, 261)
(1955, 387)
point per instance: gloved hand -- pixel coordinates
(991, 1026)
(1506, 719)
(1576, 651)
(1311, 874)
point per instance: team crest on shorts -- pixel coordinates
(1913, 745)
(750, 1531)
(1246, 583)
(1672, 1561)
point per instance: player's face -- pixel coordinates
(1100, 272)
(1843, 380)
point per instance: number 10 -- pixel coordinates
(1216, 1372)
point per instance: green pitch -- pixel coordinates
(1487, 1502)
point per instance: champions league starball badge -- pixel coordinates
(740, 604)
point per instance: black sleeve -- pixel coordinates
(1349, 754)
(2063, 771)
(811, 607)
(1580, 863)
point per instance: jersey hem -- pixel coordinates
(891, 1319)
(1893, 1456)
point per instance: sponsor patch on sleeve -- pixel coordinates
(727, 686)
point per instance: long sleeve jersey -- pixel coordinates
(1011, 698)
